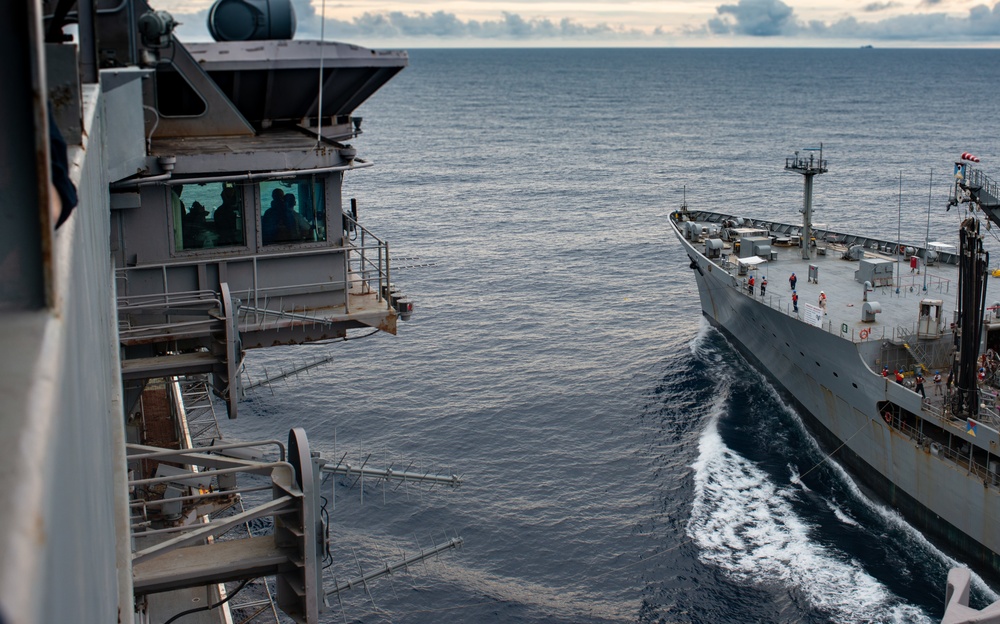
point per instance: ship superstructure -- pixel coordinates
(210, 221)
(870, 335)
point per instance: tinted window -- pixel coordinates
(207, 215)
(292, 211)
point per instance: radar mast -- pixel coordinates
(807, 168)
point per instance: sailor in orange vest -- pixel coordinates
(899, 377)
(795, 301)
(822, 301)
(751, 282)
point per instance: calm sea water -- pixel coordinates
(622, 463)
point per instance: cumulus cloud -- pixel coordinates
(768, 18)
(757, 18)
(396, 24)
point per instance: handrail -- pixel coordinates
(963, 460)
(366, 269)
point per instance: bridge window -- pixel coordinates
(292, 211)
(207, 215)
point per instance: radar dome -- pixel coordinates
(250, 20)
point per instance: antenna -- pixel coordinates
(322, 50)
(927, 234)
(283, 374)
(387, 569)
(899, 219)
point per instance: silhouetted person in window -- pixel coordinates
(281, 224)
(269, 221)
(302, 225)
(229, 218)
(196, 232)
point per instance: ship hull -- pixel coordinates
(838, 395)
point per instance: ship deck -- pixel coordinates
(899, 302)
(895, 328)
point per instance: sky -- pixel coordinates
(619, 23)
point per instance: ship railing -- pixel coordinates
(783, 304)
(373, 273)
(836, 239)
(206, 486)
(963, 456)
(367, 271)
(989, 410)
(976, 178)
(913, 283)
(198, 303)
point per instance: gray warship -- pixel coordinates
(889, 349)
(167, 207)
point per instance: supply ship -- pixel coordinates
(166, 208)
(888, 349)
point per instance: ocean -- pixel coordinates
(621, 462)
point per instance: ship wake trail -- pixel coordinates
(843, 488)
(745, 524)
(485, 592)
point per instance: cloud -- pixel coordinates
(981, 22)
(746, 18)
(420, 25)
(757, 18)
(875, 7)
(769, 18)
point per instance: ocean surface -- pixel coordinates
(621, 462)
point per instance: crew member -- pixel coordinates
(899, 377)
(920, 385)
(751, 283)
(795, 301)
(792, 280)
(937, 383)
(763, 285)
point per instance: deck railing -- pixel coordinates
(965, 460)
(783, 304)
(366, 271)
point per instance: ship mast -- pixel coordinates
(808, 168)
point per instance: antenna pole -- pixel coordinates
(807, 168)
(322, 51)
(899, 218)
(927, 234)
